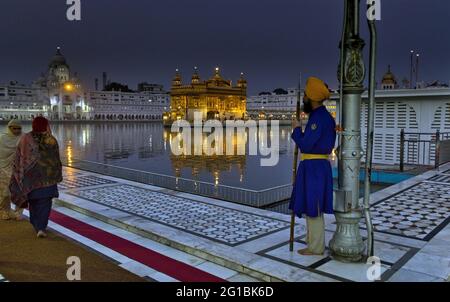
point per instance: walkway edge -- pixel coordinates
(256, 268)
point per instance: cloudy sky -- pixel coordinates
(271, 41)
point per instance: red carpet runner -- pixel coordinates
(156, 261)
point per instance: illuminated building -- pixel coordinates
(21, 101)
(215, 98)
(389, 81)
(118, 105)
(65, 92)
(58, 95)
(279, 105)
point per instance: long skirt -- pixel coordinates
(5, 195)
(40, 213)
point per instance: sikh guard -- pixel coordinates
(312, 196)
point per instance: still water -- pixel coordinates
(146, 147)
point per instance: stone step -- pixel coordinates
(232, 258)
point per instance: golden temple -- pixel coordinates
(215, 98)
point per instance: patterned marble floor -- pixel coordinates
(418, 212)
(411, 222)
(441, 178)
(392, 257)
(72, 181)
(216, 223)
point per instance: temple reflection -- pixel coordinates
(147, 147)
(213, 164)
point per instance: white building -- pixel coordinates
(413, 110)
(59, 95)
(273, 104)
(117, 105)
(22, 102)
(279, 106)
(56, 94)
(65, 94)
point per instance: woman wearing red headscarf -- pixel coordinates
(37, 170)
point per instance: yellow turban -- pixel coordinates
(316, 90)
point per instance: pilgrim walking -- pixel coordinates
(8, 146)
(37, 170)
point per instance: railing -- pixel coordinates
(424, 148)
(443, 150)
(228, 193)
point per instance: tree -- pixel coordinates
(280, 91)
(114, 86)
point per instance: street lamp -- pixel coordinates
(347, 244)
(411, 69)
(68, 87)
(417, 70)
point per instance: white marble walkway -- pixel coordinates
(411, 221)
(140, 269)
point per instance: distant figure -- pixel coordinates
(8, 146)
(37, 170)
(312, 195)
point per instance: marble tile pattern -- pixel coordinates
(441, 178)
(216, 223)
(416, 212)
(74, 182)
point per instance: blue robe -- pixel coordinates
(312, 194)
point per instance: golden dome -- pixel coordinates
(217, 79)
(195, 76)
(242, 82)
(389, 77)
(177, 79)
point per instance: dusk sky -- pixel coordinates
(271, 41)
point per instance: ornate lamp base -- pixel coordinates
(347, 244)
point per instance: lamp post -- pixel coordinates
(347, 244)
(417, 70)
(411, 70)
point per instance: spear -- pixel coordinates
(295, 164)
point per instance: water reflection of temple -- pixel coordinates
(211, 164)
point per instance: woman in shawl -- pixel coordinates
(8, 146)
(37, 170)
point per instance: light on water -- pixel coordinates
(146, 147)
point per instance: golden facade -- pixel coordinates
(215, 98)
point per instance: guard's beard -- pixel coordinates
(307, 107)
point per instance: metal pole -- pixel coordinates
(341, 88)
(437, 150)
(294, 169)
(347, 244)
(370, 134)
(417, 70)
(411, 70)
(402, 150)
